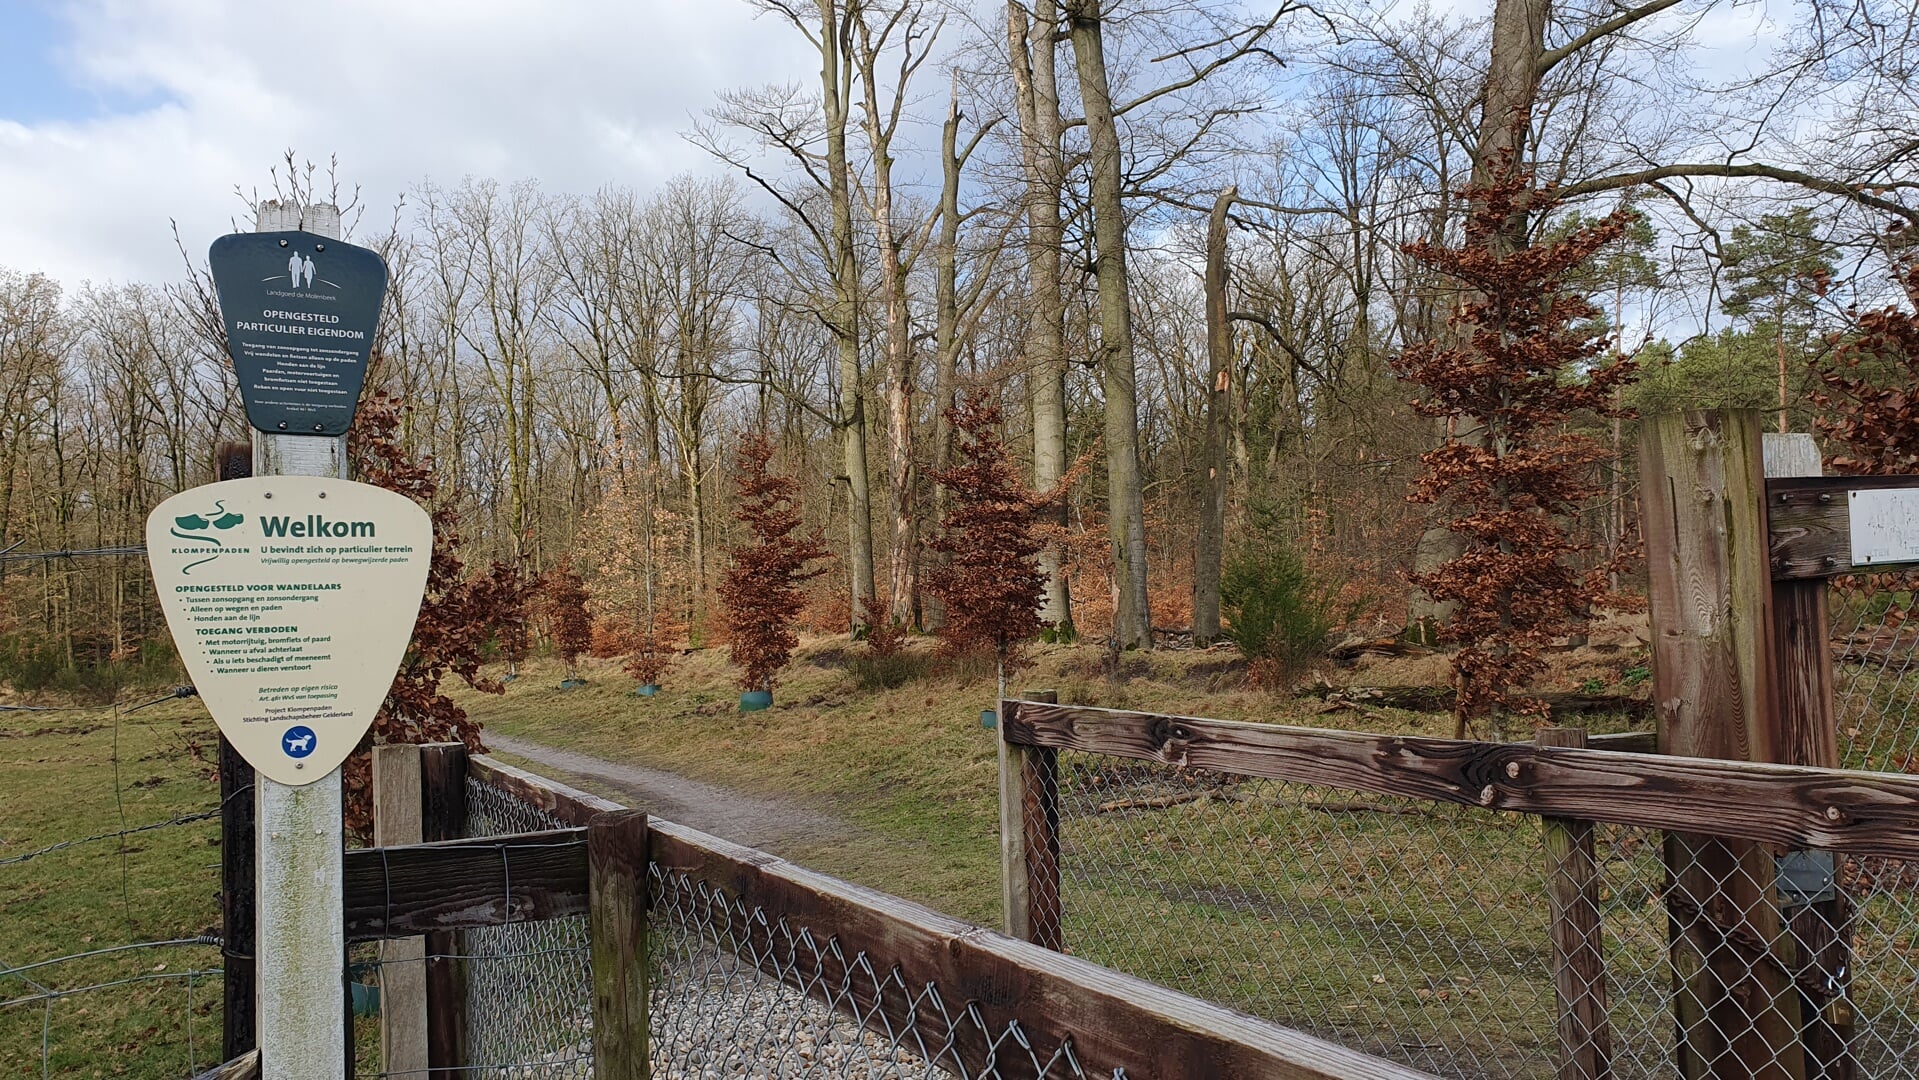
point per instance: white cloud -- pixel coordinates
(575, 93)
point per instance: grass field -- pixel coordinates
(75, 774)
(909, 768)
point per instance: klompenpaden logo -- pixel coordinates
(204, 530)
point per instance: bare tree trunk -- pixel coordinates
(945, 321)
(1037, 87)
(902, 475)
(836, 77)
(1126, 515)
(1210, 550)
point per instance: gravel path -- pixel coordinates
(772, 825)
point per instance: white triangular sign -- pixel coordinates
(291, 600)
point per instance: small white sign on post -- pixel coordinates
(291, 600)
(1885, 525)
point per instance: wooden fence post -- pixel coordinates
(234, 461)
(236, 903)
(1039, 813)
(303, 1015)
(1579, 962)
(1808, 735)
(1702, 491)
(443, 817)
(397, 809)
(1029, 833)
(616, 855)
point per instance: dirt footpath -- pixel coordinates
(769, 824)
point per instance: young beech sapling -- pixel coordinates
(989, 583)
(1522, 356)
(458, 617)
(760, 591)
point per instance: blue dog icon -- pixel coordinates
(297, 741)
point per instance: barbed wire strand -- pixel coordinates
(151, 976)
(183, 819)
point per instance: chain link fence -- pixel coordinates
(761, 969)
(1424, 932)
(739, 991)
(735, 992)
(1876, 669)
(529, 986)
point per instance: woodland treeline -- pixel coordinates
(1177, 244)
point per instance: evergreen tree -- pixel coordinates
(1776, 273)
(1732, 369)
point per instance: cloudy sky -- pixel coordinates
(117, 115)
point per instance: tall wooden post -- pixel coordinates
(616, 853)
(1015, 901)
(302, 1026)
(1819, 923)
(443, 817)
(1702, 488)
(236, 903)
(1579, 961)
(1029, 834)
(397, 806)
(234, 461)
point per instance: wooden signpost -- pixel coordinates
(291, 597)
(1742, 533)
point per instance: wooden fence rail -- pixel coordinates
(1115, 1021)
(599, 861)
(1839, 810)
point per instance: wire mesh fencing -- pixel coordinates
(109, 880)
(1876, 669)
(736, 991)
(759, 968)
(740, 991)
(529, 986)
(1813, 971)
(1424, 932)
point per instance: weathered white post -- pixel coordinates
(301, 941)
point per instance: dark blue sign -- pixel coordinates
(298, 741)
(300, 311)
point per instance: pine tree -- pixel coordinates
(760, 590)
(1777, 272)
(1522, 356)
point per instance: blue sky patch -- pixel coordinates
(38, 83)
